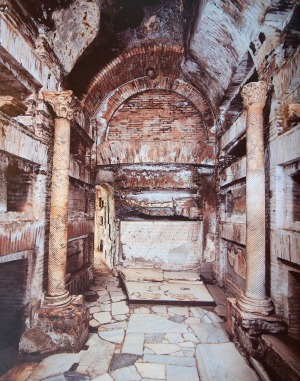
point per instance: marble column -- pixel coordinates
(3, 183)
(63, 105)
(254, 300)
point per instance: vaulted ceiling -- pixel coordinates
(219, 39)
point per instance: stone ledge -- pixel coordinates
(281, 359)
(254, 324)
(57, 329)
(12, 106)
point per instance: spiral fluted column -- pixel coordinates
(254, 300)
(63, 106)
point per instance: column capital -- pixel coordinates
(254, 92)
(62, 102)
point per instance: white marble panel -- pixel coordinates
(174, 244)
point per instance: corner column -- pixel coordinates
(254, 300)
(63, 106)
(62, 322)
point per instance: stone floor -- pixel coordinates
(165, 286)
(144, 285)
(142, 342)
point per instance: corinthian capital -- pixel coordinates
(62, 102)
(254, 92)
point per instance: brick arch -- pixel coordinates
(108, 107)
(166, 59)
(147, 151)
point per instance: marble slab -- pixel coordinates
(134, 343)
(126, 374)
(156, 371)
(176, 244)
(169, 360)
(222, 362)
(180, 373)
(132, 274)
(148, 323)
(183, 275)
(165, 291)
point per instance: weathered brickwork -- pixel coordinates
(155, 116)
(126, 130)
(157, 126)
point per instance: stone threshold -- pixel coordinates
(162, 287)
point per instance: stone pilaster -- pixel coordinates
(63, 106)
(254, 300)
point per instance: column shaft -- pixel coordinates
(255, 203)
(63, 106)
(254, 300)
(59, 209)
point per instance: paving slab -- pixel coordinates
(155, 337)
(133, 343)
(74, 376)
(119, 308)
(174, 338)
(190, 337)
(187, 344)
(167, 291)
(116, 325)
(94, 323)
(114, 336)
(142, 310)
(106, 307)
(117, 296)
(180, 373)
(148, 351)
(159, 309)
(104, 377)
(120, 317)
(211, 333)
(183, 275)
(169, 360)
(163, 349)
(189, 352)
(102, 317)
(54, 365)
(149, 323)
(142, 274)
(95, 309)
(205, 316)
(184, 311)
(95, 361)
(156, 371)
(122, 360)
(126, 374)
(222, 362)
(177, 318)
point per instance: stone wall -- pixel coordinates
(282, 154)
(156, 126)
(26, 145)
(157, 194)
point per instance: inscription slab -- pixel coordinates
(175, 244)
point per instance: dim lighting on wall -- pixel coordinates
(151, 73)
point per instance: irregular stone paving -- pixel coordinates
(137, 343)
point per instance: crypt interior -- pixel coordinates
(149, 190)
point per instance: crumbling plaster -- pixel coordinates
(75, 27)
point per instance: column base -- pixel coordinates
(57, 300)
(247, 328)
(255, 306)
(57, 329)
